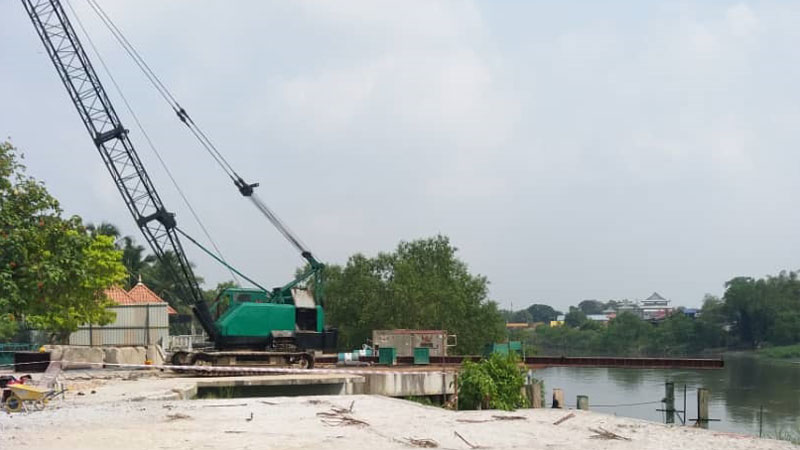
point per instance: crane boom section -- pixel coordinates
(111, 139)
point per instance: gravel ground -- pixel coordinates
(312, 423)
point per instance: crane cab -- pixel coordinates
(254, 318)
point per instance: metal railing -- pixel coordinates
(187, 341)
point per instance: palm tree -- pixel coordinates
(104, 229)
(135, 260)
(160, 277)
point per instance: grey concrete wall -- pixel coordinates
(398, 384)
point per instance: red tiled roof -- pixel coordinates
(142, 294)
(118, 295)
(139, 295)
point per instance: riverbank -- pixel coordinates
(132, 412)
(782, 352)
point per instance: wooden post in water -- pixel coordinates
(669, 401)
(558, 398)
(583, 402)
(703, 395)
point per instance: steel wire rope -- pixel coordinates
(148, 140)
(163, 90)
(193, 127)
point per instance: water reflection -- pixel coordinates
(737, 391)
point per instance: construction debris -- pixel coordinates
(338, 416)
(177, 416)
(422, 443)
(564, 419)
(226, 405)
(602, 433)
(470, 444)
(493, 419)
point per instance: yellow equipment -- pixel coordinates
(23, 395)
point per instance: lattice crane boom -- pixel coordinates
(157, 224)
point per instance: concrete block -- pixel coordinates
(124, 355)
(155, 355)
(113, 355)
(134, 355)
(77, 357)
(56, 351)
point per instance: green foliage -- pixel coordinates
(161, 277)
(628, 335)
(764, 310)
(421, 285)
(8, 327)
(591, 307)
(52, 272)
(532, 314)
(781, 352)
(575, 317)
(495, 382)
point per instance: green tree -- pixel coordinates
(421, 285)
(747, 301)
(591, 307)
(104, 229)
(575, 317)
(53, 273)
(161, 276)
(626, 335)
(542, 313)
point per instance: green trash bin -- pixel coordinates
(387, 356)
(422, 355)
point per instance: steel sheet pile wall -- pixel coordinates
(142, 324)
(406, 340)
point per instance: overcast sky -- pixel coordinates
(570, 150)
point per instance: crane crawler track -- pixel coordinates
(208, 361)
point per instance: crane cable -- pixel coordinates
(152, 145)
(244, 188)
(162, 89)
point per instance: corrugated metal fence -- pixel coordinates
(141, 324)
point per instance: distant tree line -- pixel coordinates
(752, 313)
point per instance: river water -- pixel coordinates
(737, 392)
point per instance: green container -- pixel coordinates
(498, 347)
(515, 346)
(387, 356)
(422, 355)
(7, 352)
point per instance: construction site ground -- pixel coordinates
(138, 409)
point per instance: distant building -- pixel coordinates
(654, 307)
(627, 306)
(602, 318)
(142, 318)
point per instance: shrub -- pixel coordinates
(495, 382)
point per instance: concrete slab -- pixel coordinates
(294, 423)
